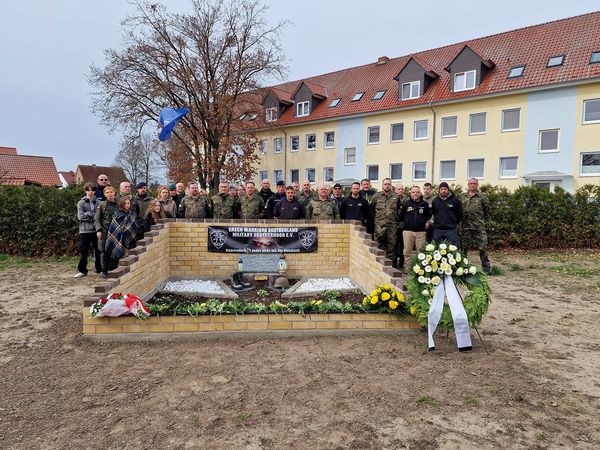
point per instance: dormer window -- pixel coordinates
(357, 96)
(464, 81)
(302, 109)
(411, 90)
(516, 71)
(271, 114)
(555, 61)
(595, 58)
(378, 95)
(335, 102)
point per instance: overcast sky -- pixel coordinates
(48, 46)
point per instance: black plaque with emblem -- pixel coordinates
(262, 239)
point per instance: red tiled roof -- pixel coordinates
(8, 151)
(38, 170)
(90, 173)
(68, 176)
(575, 37)
(283, 96)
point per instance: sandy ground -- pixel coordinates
(537, 388)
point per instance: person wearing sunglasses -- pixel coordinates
(101, 183)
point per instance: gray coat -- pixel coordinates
(86, 210)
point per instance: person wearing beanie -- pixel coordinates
(447, 214)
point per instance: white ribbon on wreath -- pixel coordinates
(459, 316)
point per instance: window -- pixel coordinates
(475, 168)
(448, 126)
(335, 102)
(294, 143)
(411, 90)
(447, 170)
(419, 171)
(477, 123)
(373, 172)
(595, 58)
(555, 61)
(378, 95)
(271, 114)
(277, 145)
(591, 111)
(329, 139)
(508, 167)
(464, 81)
(350, 156)
(590, 163)
(295, 175)
(397, 132)
(511, 119)
(277, 175)
(302, 109)
(373, 135)
(420, 129)
(357, 96)
(516, 71)
(548, 141)
(310, 175)
(263, 175)
(396, 171)
(327, 174)
(264, 146)
(311, 141)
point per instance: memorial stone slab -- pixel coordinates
(268, 263)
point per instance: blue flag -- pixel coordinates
(168, 119)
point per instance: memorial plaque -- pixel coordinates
(265, 263)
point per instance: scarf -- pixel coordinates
(121, 232)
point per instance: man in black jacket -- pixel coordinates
(265, 190)
(355, 207)
(415, 213)
(447, 214)
(274, 199)
(289, 208)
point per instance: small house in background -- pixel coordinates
(84, 173)
(21, 170)
(67, 178)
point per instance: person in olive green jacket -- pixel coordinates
(323, 207)
(250, 205)
(223, 205)
(306, 194)
(102, 220)
(476, 209)
(385, 206)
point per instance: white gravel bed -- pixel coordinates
(322, 284)
(203, 286)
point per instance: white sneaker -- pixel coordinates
(79, 275)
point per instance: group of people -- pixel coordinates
(112, 222)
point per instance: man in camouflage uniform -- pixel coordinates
(476, 209)
(400, 229)
(324, 207)
(251, 205)
(193, 205)
(384, 207)
(306, 194)
(223, 205)
(428, 196)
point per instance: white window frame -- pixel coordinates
(392, 132)
(595, 55)
(550, 150)
(469, 174)
(507, 130)
(325, 139)
(264, 146)
(325, 169)
(369, 134)
(346, 163)
(557, 64)
(515, 68)
(271, 114)
(508, 177)
(280, 141)
(591, 174)
(314, 174)
(455, 127)
(475, 133)
(465, 75)
(302, 109)
(378, 95)
(411, 85)
(401, 171)
(356, 97)
(335, 102)
(424, 170)
(441, 171)
(367, 172)
(415, 138)
(585, 102)
(309, 149)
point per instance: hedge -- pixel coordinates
(37, 221)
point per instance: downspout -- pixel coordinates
(432, 145)
(284, 145)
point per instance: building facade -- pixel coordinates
(516, 108)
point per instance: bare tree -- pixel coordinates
(139, 158)
(209, 61)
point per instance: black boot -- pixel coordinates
(236, 281)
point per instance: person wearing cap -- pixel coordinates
(324, 207)
(224, 205)
(140, 203)
(447, 214)
(338, 194)
(274, 199)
